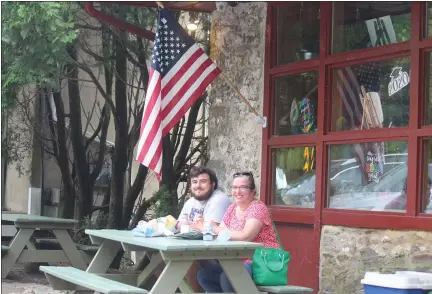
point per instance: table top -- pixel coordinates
(171, 243)
(29, 218)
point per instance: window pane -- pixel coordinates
(368, 176)
(427, 176)
(359, 25)
(294, 176)
(297, 32)
(428, 89)
(296, 104)
(371, 95)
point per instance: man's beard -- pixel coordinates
(203, 197)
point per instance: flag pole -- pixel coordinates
(262, 120)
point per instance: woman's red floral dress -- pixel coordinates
(259, 211)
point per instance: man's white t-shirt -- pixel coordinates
(212, 209)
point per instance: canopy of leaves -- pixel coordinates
(34, 39)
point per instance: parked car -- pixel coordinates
(347, 190)
(376, 195)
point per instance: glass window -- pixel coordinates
(428, 89)
(294, 176)
(359, 25)
(371, 95)
(297, 32)
(368, 176)
(296, 104)
(427, 176)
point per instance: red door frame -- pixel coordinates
(320, 215)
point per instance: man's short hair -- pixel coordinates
(200, 170)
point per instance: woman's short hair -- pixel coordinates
(249, 176)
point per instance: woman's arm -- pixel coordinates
(250, 231)
(220, 228)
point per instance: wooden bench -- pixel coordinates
(287, 289)
(68, 278)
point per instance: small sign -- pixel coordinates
(373, 167)
(399, 80)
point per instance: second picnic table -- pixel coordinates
(26, 224)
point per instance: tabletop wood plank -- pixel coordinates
(29, 218)
(37, 221)
(170, 243)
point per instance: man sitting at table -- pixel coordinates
(207, 202)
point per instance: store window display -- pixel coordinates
(295, 176)
(371, 95)
(296, 104)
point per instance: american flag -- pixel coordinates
(348, 89)
(348, 83)
(180, 72)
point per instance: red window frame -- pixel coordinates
(413, 133)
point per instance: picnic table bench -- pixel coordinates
(26, 225)
(178, 255)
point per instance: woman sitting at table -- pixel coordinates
(246, 219)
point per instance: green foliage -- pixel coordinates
(97, 223)
(34, 39)
(163, 206)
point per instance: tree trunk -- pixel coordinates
(121, 144)
(67, 205)
(133, 193)
(85, 194)
(168, 175)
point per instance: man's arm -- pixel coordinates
(185, 210)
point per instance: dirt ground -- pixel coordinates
(19, 282)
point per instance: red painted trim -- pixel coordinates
(377, 220)
(427, 43)
(265, 195)
(295, 67)
(425, 131)
(292, 214)
(414, 173)
(91, 10)
(369, 54)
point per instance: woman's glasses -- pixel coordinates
(241, 188)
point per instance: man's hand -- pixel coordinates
(198, 224)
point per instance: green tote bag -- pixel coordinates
(270, 265)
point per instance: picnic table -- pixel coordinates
(177, 254)
(22, 248)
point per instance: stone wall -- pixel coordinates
(237, 45)
(347, 253)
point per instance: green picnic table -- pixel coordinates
(178, 256)
(23, 250)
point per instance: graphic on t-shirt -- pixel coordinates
(195, 212)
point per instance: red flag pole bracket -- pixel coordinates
(92, 11)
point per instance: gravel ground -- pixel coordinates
(19, 282)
